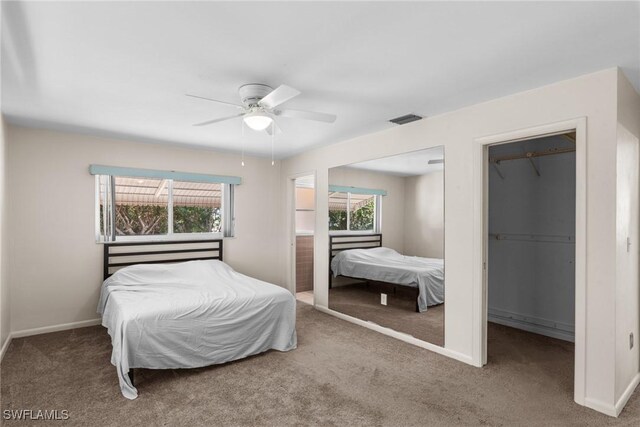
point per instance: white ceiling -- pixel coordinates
(122, 68)
(408, 164)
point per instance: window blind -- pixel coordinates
(152, 173)
(356, 190)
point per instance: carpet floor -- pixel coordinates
(340, 374)
(363, 302)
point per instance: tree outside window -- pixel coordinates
(361, 215)
(152, 207)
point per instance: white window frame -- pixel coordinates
(226, 212)
(377, 217)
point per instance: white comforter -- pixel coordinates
(191, 314)
(387, 265)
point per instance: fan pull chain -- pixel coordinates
(242, 139)
(273, 137)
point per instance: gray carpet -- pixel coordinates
(363, 302)
(341, 374)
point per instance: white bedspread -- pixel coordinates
(191, 314)
(387, 265)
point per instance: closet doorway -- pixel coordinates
(304, 230)
(533, 264)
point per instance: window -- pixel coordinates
(354, 212)
(197, 207)
(129, 207)
(338, 203)
(142, 207)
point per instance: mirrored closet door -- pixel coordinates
(386, 239)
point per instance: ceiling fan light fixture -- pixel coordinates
(258, 108)
(258, 121)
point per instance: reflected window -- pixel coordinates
(362, 212)
(353, 212)
(338, 203)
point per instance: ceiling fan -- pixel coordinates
(259, 107)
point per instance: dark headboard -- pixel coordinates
(343, 242)
(122, 254)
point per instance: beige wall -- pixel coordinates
(627, 292)
(392, 203)
(591, 96)
(424, 215)
(55, 266)
(4, 286)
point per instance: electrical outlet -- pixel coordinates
(630, 340)
(383, 299)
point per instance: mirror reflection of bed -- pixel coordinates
(386, 226)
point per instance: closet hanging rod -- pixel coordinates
(544, 238)
(533, 154)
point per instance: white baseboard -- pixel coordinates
(55, 328)
(600, 406)
(614, 410)
(5, 346)
(45, 330)
(620, 404)
(399, 335)
(531, 325)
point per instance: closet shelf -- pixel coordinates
(530, 155)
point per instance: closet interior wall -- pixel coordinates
(532, 196)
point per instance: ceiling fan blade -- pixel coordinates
(272, 126)
(215, 100)
(279, 95)
(308, 115)
(435, 161)
(221, 119)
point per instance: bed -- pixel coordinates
(169, 305)
(363, 257)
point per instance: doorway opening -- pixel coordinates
(531, 229)
(304, 219)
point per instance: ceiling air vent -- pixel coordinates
(403, 120)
